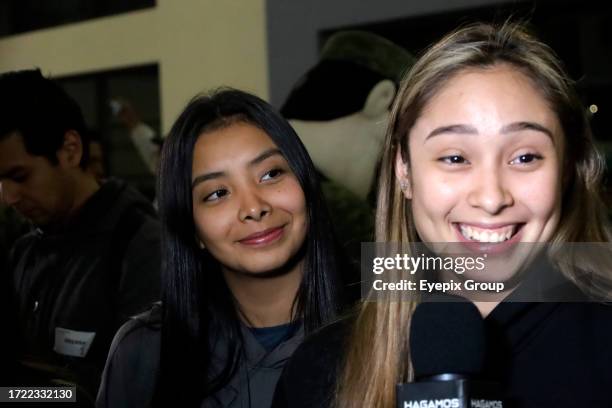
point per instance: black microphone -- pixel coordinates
(447, 347)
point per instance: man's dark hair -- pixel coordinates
(40, 111)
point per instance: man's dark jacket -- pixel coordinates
(88, 277)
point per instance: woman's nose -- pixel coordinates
(253, 206)
(489, 191)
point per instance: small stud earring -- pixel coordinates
(403, 185)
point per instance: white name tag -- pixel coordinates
(72, 343)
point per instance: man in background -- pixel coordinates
(92, 261)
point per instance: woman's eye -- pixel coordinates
(526, 158)
(453, 159)
(272, 174)
(216, 195)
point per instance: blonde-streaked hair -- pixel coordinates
(378, 356)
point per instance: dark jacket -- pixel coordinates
(131, 371)
(544, 355)
(74, 287)
(12, 226)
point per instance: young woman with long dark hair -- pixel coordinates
(249, 263)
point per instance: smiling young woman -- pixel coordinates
(488, 146)
(248, 206)
(249, 263)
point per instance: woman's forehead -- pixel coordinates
(486, 101)
(232, 139)
(238, 146)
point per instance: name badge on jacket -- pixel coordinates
(72, 343)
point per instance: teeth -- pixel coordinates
(479, 235)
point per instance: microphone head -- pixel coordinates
(447, 336)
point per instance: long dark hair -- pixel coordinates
(197, 304)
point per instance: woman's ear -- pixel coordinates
(402, 173)
(70, 153)
(379, 99)
(198, 241)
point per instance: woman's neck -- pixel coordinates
(265, 301)
(485, 308)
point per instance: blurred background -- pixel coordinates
(154, 55)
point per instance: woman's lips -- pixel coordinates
(263, 237)
(490, 247)
(492, 233)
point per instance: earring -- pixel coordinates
(403, 185)
(202, 246)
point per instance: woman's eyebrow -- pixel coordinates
(216, 174)
(518, 126)
(512, 127)
(458, 128)
(263, 156)
(206, 176)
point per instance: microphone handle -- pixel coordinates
(443, 377)
(457, 393)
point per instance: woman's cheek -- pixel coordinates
(210, 223)
(291, 198)
(540, 193)
(438, 191)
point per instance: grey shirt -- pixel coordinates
(133, 363)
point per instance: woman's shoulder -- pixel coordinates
(139, 335)
(325, 344)
(309, 378)
(133, 362)
(596, 314)
(592, 318)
